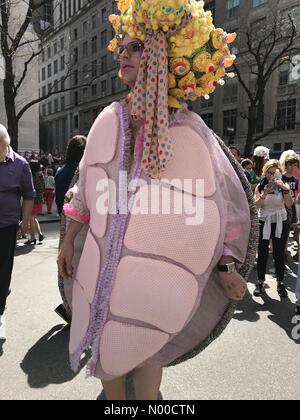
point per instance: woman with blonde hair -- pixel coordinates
(272, 197)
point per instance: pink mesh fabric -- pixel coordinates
(87, 274)
(140, 343)
(97, 199)
(159, 290)
(80, 320)
(192, 246)
(187, 143)
(100, 150)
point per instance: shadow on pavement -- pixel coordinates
(47, 362)
(23, 249)
(1, 347)
(281, 312)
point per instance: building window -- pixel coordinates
(94, 113)
(55, 69)
(44, 109)
(75, 98)
(79, 4)
(232, 8)
(230, 91)
(75, 34)
(229, 122)
(94, 21)
(85, 49)
(55, 48)
(62, 62)
(43, 56)
(55, 86)
(49, 52)
(49, 70)
(49, 88)
(94, 68)
(104, 64)
(84, 27)
(55, 105)
(103, 15)
(70, 8)
(212, 7)
(116, 84)
(206, 103)
(288, 146)
(75, 55)
(103, 39)
(85, 92)
(94, 44)
(49, 107)
(76, 122)
(62, 44)
(286, 114)
(208, 119)
(94, 90)
(75, 78)
(277, 147)
(74, 6)
(60, 14)
(103, 87)
(285, 73)
(62, 103)
(256, 3)
(65, 10)
(62, 84)
(43, 74)
(43, 91)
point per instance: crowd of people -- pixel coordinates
(277, 197)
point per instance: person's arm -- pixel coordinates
(65, 256)
(259, 198)
(288, 199)
(28, 194)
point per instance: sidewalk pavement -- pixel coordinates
(49, 218)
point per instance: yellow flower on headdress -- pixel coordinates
(188, 84)
(203, 63)
(221, 38)
(180, 66)
(123, 5)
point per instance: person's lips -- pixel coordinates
(126, 66)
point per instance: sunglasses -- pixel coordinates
(132, 48)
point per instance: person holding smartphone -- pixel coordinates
(272, 197)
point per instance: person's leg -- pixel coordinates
(115, 389)
(7, 248)
(147, 380)
(50, 202)
(262, 259)
(37, 226)
(262, 255)
(32, 228)
(279, 248)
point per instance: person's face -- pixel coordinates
(270, 174)
(235, 154)
(129, 55)
(249, 167)
(290, 167)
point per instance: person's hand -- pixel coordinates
(64, 260)
(267, 190)
(24, 226)
(282, 185)
(234, 286)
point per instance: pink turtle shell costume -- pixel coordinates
(146, 290)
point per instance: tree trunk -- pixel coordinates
(10, 105)
(251, 131)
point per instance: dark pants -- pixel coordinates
(278, 251)
(7, 249)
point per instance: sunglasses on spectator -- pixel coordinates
(132, 48)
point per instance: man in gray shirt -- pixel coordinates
(15, 183)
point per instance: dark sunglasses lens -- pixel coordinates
(135, 47)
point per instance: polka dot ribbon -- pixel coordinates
(150, 104)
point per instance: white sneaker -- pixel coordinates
(2, 328)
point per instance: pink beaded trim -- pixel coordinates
(71, 212)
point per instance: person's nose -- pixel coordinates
(124, 54)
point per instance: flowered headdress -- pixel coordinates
(185, 57)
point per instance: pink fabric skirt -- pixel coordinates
(37, 209)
